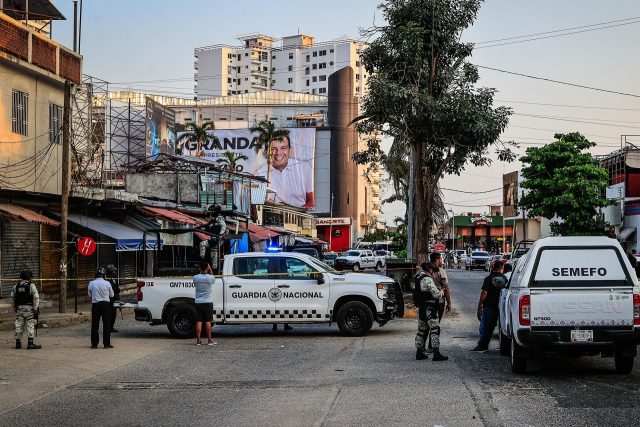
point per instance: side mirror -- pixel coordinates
(319, 277)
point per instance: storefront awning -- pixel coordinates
(23, 214)
(258, 233)
(127, 238)
(626, 234)
(171, 215)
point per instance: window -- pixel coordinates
(297, 269)
(246, 79)
(263, 82)
(55, 123)
(322, 53)
(357, 63)
(290, 68)
(314, 66)
(265, 68)
(219, 118)
(20, 113)
(306, 71)
(331, 63)
(229, 80)
(252, 268)
(322, 78)
(322, 90)
(357, 89)
(322, 65)
(246, 54)
(289, 118)
(246, 91)
(239, 118)
(273, 68)
(315, 54)
(331, 50)
(246, 67)
(273, 82)
(273, 57)
(308, 58)
(357, 76)
(307, 82)
(315, 79)
(290, 55)
(290, 80)
(264, 56)
(313, 91)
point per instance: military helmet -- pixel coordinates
(26, 274)
(111, 269)
(101, 272)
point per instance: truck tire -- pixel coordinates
(505, 343)
(378, 266)
(624, 364)
(181, 321)
(518, 358)
(354, 319)
(356, 267)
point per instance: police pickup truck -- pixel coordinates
(274, 288)
(572, 295)
(359, 259)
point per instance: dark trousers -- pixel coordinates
(102, 310)
(114, 311)
(488, 324)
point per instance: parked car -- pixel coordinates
(359, 259)
(477, 259)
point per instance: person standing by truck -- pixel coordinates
(100, 292)
(426, 296)
(488, 305)
(203, 284)
(112, 278)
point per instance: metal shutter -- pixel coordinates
(20, 250)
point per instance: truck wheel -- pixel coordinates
(624, 364)
(355, 319)
(379, 266)
(181, 321)
(518, 358)
(356, 267)
(505, 343)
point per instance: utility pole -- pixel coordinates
(410, 216)
(331, 224)
(66, 184)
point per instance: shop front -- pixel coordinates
(479, 232)
(335, 231)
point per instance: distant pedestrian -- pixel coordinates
(100, 292)
(203, 284)
(26, 303)
(114, 281)
(488, 312)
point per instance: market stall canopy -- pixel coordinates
(127, 238)
(171, 215)
(23, 214)
(258, 233)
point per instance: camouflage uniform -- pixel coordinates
(428, 315)
(25, 313)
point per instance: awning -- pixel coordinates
(23, 214)
(305, 240)
(279, 230)
(127, 238)
(171, 215)
(258, 233)
(626, 234)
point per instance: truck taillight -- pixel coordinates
(140, 285)
(525, 310)
(636, 309)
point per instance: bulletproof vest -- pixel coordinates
(420, 296)
(23, 294)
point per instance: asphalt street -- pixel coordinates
(309, 376)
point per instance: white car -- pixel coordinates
(573, 295)
(359, 259)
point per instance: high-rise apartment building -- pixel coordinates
(299, 64)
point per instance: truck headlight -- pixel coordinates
(383, 289)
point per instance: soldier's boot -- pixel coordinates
(439, 357)
(420, 354)
(18, 344)
(32, 346)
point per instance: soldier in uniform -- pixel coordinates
(112, 278)
(426, 296)
(26, 302)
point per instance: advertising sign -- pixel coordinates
(86, 246)
(161, 129)
(289, 169)
(333, 221)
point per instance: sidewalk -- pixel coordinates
(49, 316)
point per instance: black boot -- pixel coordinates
(18, 344)
(420, 355)
(32, 346)
(438, 357)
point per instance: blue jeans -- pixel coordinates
(488, 324)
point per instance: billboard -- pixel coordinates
(161, 129)
(290, 169)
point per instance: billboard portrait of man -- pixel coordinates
(290, 177)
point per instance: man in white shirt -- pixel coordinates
(100, 292)
(291, 179)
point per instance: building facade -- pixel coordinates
(298, 64)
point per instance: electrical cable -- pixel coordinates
(472, 192)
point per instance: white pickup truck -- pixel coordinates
(274, 288)
(359, 259)
(572, 295)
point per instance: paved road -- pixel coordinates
(311, 376)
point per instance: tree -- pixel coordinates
(565, 182)
(229, 160)
(268, 132)
(198, 134)
(421, 90)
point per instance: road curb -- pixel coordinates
(57, 322)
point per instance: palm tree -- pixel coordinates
(229, 160)
(268, 132)
(198, 134)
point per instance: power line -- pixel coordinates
(472, 192)
(472, 206)
(559, 82)
(567, 105)
(576, 120)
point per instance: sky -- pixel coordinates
(126, 42)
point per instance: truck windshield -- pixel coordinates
(353, 253)
(480, 254)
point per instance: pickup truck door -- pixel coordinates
(367, 259)
(303, 298)
(248, 290)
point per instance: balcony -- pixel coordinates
(25, 47)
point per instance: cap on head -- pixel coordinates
(101, 272)
(26, 274)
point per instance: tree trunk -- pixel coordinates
(422, 207)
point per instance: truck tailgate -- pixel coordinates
(581, 307)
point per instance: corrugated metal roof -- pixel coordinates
(171, 215)
(23, 214)
(258, 233)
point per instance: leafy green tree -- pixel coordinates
(230, 160)
(267, 132)
(422, 91)
(198, 133)
(565, 182)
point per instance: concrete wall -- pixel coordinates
(164, 186)
(40, 173)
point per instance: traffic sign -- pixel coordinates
(86, 246)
